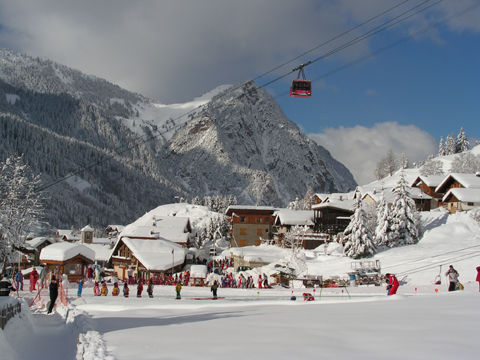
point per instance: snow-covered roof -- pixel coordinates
(69, 234)
(342, 205)
(169, 229)
(261, 253)
(233, 208)
(102, 252)
(294, 217)
(36, 242)
(63, 251)
(87, 228)
(156, 255)
(389, 195)
(198, 271)
(464, 195)
(430, 181)
(466, 180)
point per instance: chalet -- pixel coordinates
(250, 224)
(146, 257)
(461, 199)
(457, 180)
(285, 219)
(332, 217)
(67, 258)
(68, 235)
(34, 246)
(428, 184)
(423, 201)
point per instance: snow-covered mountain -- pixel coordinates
(137, 154)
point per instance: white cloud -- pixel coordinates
(360, 148)
(176, 50)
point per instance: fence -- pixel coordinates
(7, 312)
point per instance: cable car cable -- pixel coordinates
(177, 126)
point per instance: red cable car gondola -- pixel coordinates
(301, 87)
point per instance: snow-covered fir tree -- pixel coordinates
(387, 166)
(20, 206)
(358, 238)
(441, 147)
(462, 142)
(450, 145)
(465, 163)
(432, 167)
(404, 217)
(383, 231)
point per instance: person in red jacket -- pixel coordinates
(478, 277)
(392, 284)
(33, 279)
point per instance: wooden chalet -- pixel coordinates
(250, 224)
(332, 218)
(428, 184)
(461, 199)
(146, 257)
(68, 258)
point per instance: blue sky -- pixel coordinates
(402, 99)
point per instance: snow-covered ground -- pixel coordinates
(262, 324)
(422, 321)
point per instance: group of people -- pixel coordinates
(244, 282)
(103, 289)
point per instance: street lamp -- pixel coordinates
(173, 260)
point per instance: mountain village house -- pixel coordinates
(462, 191)
(250, 224)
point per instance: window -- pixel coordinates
(73, 269)
(242, 242)
(259, 220)
(259, 231)
(470, 204)
(242, 219)
(243, 231)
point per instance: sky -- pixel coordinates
(403, 98)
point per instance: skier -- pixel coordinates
(392, 284)
(33, 279)
(150, 288)
(104, 291)
(80, 288)
(213, 289)
(43, 277)
(19, 280)
(178, 288)
(452, 276)
(96, 289)
(265, 281)
(139, 288)
(53, 288)
(125, 289)
(478, 277)
(260, 280)
(5, 287)
(115, 290)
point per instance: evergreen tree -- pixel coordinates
(357, 235)
(441, 148)
(404, 217)
(450, 145)
(462, 142)
(382, 231)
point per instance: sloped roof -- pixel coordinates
(466, 180)
(156, 255)
(341, 205)
(36, 242)
(464, 195)
(430, 181)
(294, 217)
(233, 208)
(63, 251)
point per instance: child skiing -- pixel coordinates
(478, 277)
(80, 288)
(213, 289)
(150, 288)
(104, 291)
(126, 290)
(96, 289)
(178, 288)
(115, 290)
(139, 288)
